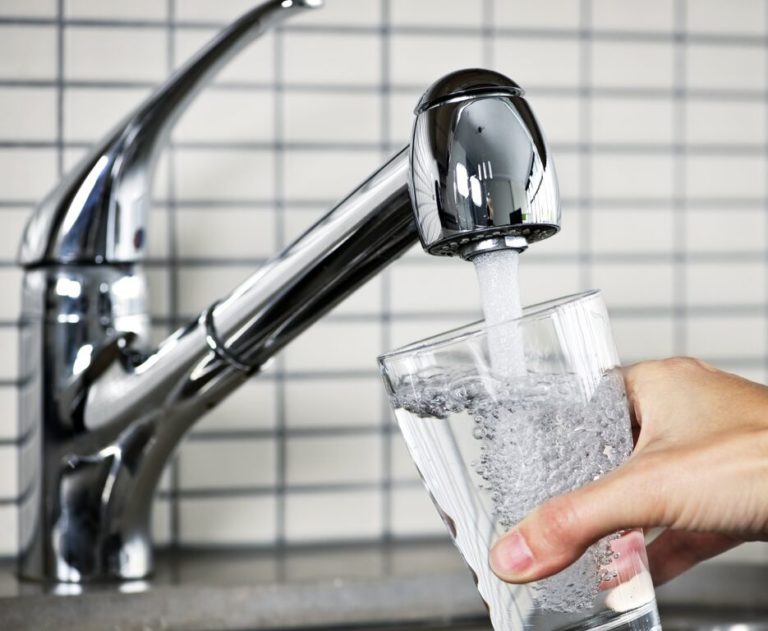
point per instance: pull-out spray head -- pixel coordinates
(482, 176)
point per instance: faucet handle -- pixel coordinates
(97, 213)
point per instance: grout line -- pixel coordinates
(744, 40)
(281, 456)
(585, 137)
(386, 282)
(173, 283)
(680, 317)
(765, 219)
(60, 87)
(627, 91)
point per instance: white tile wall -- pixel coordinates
(630, 64)
(305, 452)
(725, 67)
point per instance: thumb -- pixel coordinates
(558, 532)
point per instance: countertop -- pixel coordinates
(399, 585)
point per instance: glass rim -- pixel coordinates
(478, 327)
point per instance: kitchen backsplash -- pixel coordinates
(656, 112)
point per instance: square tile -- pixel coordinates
(725, 176)
(225, 174)
(9, 423)
(333, 402)
(27, 52)
(712, 16)
(414, 515)
(201, 286)
(631, 176)
(333, 459)
(221, 116)
(134, 10)
(9, 527)
(253, 406)
(562, 14)
(640, 338)
(9, 467)
(28, 8)
(158, 286)
(715, 338)
(255, 63)
(632, 64)
(310, 58)
(225, 233)
(632, 120)
(420, 60)
(725, 122)
(333, 516)
(205, 11)
(161, 522)
(227, 520)
(710, 230)
(408, 331)
(326, 175)
(725, 283)
(134, 54)
(540, 281)
(341, 12)
(443, 286)
(635, 284)
(342, 346)
(433, 14)
(10, 289)
(639, 230)
(227, 464)
(27, 114)
(569, 175)
(538, 61)
(338, 117)
(724, 67)
(628, 15)
(13, 221)
(28, 174)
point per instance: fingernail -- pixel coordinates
(511, 555)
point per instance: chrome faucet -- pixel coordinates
(102, 412)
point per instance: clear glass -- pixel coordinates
(492, 442)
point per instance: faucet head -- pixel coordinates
(482, 176)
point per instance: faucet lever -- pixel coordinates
(98, 212)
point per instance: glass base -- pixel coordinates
(645, 618)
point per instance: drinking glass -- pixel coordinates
(500, 418)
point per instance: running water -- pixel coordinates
(500, 298)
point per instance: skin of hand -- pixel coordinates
(699, 470)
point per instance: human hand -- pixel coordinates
(699, 469)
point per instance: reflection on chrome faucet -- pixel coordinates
(102, 411)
